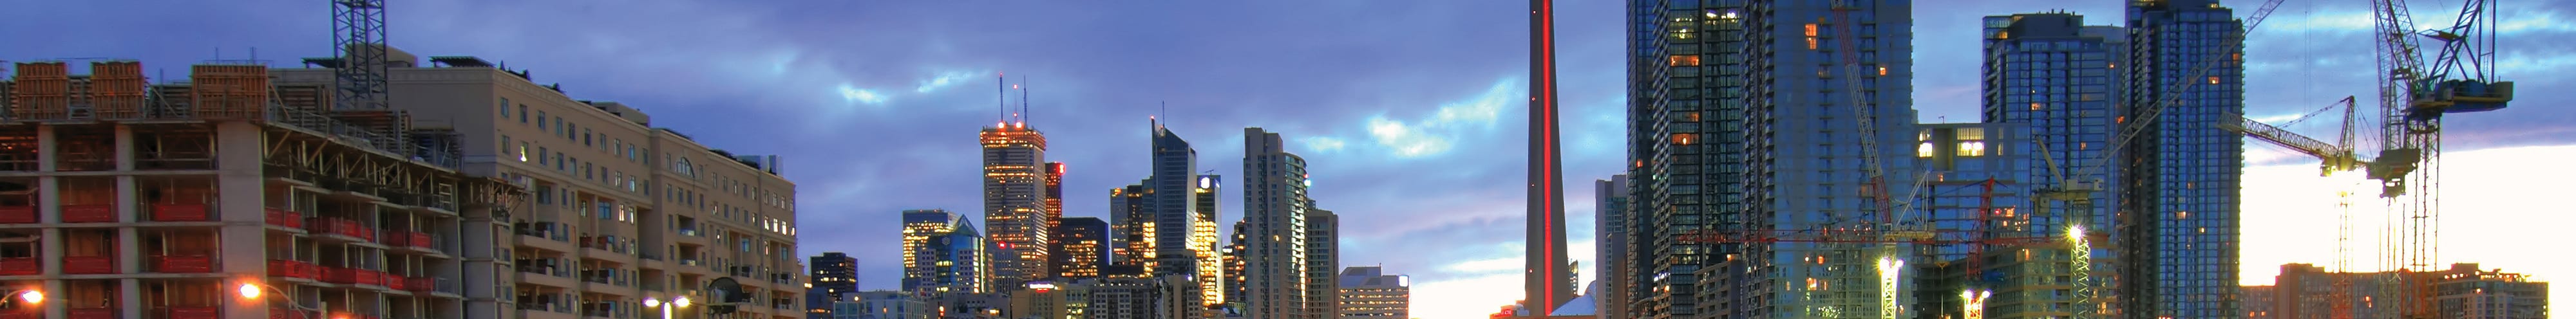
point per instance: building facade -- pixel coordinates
(1744, 117)
(1369, 293)
(622, 210)
(881, 304)
(2180, 177)
(1016, 209)
(1274, 216)
(829, 277)
(1323, 257)
(2055, 77)
(1610, 241)
(933, 260)
(1129, 220)
(1081, 247)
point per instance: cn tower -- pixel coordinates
(1548, 279)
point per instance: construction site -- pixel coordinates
(228, 196)
(2077, 195)
(367, 185)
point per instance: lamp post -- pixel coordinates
(676, 302)
(252, 291)
(30, 297)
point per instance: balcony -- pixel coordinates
(393, 282)
(342, 227)
(89, 213)
(181, 213)
(183, 264)
(20, 266)
(24, 314)
(422, 284)
(282, 217)
(91, 313)
(294, 269)
(398, 238)
(190, 313)
(284, 313)
(89, 265)
(18, 215)
(352, 276)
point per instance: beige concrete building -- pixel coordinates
(619, 211)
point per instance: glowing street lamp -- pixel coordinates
(30, 295)
(676, 302)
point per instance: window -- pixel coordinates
(1685, 139)
(1972, 148)
(505, 108)
(523, 151)
(523, 114)
(1923, 150)
(541, 119)
(585, 137)
(1685, 60)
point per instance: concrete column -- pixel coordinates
(45, 146)
(130, 298)
(240, 204)
(124, 147)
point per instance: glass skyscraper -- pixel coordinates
(2057, 78)
(1741, 120)
(2178, 221)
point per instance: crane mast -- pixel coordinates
(2415, 94)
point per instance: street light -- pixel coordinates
(252, 290)
(30, 296)
(676, 302)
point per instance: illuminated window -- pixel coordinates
(2034, 106)
(1972, 148)
(1882, 70)
(1685, 139)
(1811, 36)
(1685, 60)
(1924, 150)
(2213, 80)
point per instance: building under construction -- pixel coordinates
(243, 193)
(2463, 291)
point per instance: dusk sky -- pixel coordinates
(1410, 112)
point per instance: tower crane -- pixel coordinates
(2414, 95)
(2337, 157)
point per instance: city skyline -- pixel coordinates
(873, 131)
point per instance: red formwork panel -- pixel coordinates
(183, 264)
(43, 91)
(286, 218)
(421, 284)
(89, 213)
(91, 313)
(292, 269)
(18, 215)
(421, 239)
(395, 282)
(20, 266)
(116, 89)
(181, 213)
(191, 313)
(229, 91)
(89, 265)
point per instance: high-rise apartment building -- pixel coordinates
(1129, 219)
(1236, 280)
(2053, 76)
(2179, 182)
(835, 273)
(1744, 117)
(1054, 193)
(959, 263)
(1082, 246)
(831, 276)
(121, 210)
(919, 226)
(1610, 245)
(1274, 216)
(1370, 293)
(1016, 210)
(1183, 228)
(618, 203)
(1323, 257)
(2463, 291)
(1203, 240)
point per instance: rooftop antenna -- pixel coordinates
(1024, 98)
(1002, 99)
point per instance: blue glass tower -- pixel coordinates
(1742, 118)
(2178, 224)
(2057, 78)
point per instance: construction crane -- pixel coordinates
(2414, 95)
(2077, 196)
(2337, 157)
